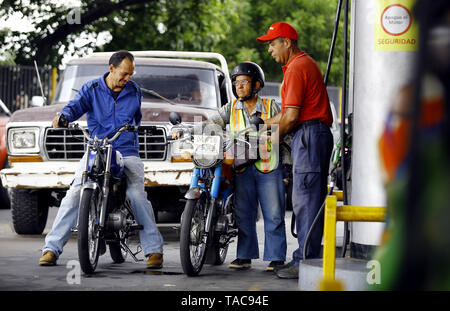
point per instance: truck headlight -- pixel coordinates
(23, 140)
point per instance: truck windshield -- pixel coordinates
(193, 86)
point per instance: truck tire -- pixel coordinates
(29, 211)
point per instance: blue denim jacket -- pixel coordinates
(104, 114)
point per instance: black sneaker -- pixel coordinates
(276, 268)
(274, 264)
(240, 263)
(289, 272)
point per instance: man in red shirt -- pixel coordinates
(306, 115)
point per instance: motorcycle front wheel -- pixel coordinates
(192, 242)
(88, 230)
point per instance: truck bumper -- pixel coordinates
(59, 175)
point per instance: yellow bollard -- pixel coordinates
(331, 285)
(334, 213)
(329, 235)
(338, 193)
(361, 213)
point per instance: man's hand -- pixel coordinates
(60, 121)
(55, 122)
(176, 134)
(264, 128)
(268, 123)
(275, 136)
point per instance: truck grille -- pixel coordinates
(61, 144)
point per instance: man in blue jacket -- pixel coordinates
(108, 102)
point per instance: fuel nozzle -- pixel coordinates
(335, 156)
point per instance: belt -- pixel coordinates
(308, 123)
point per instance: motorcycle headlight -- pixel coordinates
(207, 150)
(23, 140)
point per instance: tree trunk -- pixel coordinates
(94, 12)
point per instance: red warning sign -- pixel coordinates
(396, 20)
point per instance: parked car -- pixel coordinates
(43, 160)
(4, 118)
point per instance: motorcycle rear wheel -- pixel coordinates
(118, 255)
(220, 252)
(88, 230)
(192, 245)
(117, 252)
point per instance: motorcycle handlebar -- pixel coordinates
(76, 126)
(124, 127)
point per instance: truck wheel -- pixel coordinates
(29, 211)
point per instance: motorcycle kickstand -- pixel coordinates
(129, 251)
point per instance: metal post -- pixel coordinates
(343, 122)
(333, 42)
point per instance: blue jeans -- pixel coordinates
(150, 237)
(311, 151)
(252, 186)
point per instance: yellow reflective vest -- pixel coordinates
(268, 159)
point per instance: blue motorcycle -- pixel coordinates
(208, 221)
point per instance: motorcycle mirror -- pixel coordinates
(256, 121)
(174, 118)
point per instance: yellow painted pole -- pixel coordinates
(361, 213)
(334, 213)
(338, 193)
(54, 82)
(329, 232)
(328, 283)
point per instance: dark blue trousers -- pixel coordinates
(252, 187)
(311, 151)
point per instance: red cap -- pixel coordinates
(279, 30)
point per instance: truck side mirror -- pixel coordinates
(37, 101)
(174, 118)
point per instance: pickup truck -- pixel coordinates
(43, 160)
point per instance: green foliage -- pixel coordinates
(313, 20)
(6, 57)
(54, 29)
(229, 27)
(169, 25)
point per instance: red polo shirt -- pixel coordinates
(303, 88)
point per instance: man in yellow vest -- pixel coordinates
(261, 180)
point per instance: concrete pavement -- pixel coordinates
(19, 269)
